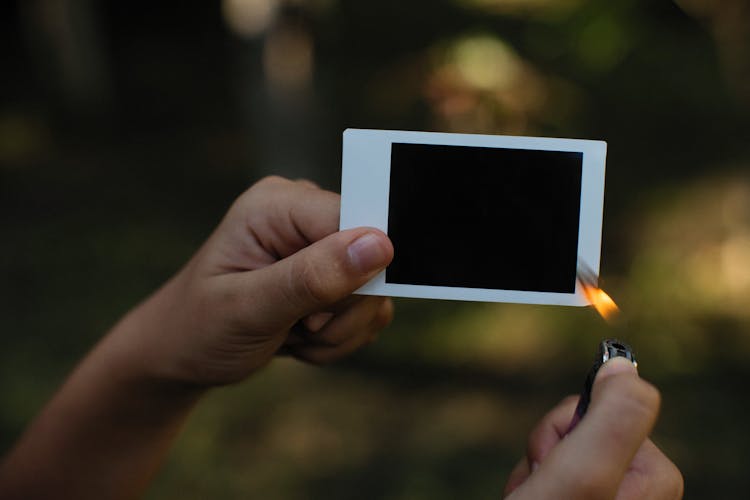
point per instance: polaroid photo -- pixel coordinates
(477, 217)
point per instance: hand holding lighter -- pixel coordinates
(608, 349)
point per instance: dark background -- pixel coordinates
(484, 217)
(126, 130)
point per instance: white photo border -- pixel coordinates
(365, 183)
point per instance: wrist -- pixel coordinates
(108, 428)
(146, 347)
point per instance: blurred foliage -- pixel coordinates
(127, 129)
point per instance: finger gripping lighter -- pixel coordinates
(608, 349)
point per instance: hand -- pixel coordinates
(607, 455)
(275, 275)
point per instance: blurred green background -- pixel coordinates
(127, 128)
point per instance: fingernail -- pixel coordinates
(615, 366)
(534, 466)
(367, 253)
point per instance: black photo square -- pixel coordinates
(479, 217)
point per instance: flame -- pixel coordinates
(602, 302)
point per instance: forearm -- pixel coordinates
(277, 258)
(107, 430)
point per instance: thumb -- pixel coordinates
(592, 460)
(315, 277)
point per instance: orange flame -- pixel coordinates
(602, 302)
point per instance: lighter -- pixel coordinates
(608, 349)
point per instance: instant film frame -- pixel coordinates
(477, 217)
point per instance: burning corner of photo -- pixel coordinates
(601, 301)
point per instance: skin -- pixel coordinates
(607, 455)
(276, 277)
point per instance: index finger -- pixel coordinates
(542, 439)
(545, 436)
(286, 216)
(550, 430)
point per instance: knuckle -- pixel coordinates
(535, 444)
(570, 400)
(271, 181)
(665, 481)
(258, 192)
(308, 284)
(384, 316)
(535, 449)
(676, 484)
(532, 444)
(307, 183)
